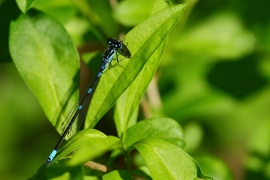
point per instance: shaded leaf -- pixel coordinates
(25, 5)
(59, 172)
(214, 167)
(99, 15)
(142, 171)
(221, 36)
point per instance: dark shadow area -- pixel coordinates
(9, 11)
(238, 78)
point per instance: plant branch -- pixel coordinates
(97, 166)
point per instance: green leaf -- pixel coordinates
(132, 96)
(121, 122)
(48, 62)
(61, 10)
(133, 12)
(222, 36)
(89, 144)
(160, 128)
(25, 5)
(99, 14)
(194, 136)
(142, 171)
(166, 161)
(160, 5)
(143, 41)
(117, 175)
(214, 167)
(59, 172)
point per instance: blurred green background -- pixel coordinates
(213, 79)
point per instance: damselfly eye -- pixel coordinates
(110, 41)
(118, 45)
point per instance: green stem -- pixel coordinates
(127, 159)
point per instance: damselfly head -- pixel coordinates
(115, 43)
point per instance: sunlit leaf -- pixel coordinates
(132, 96)
(117, 175)
(142, 41)
(48, 62)
(160, 128)
(166, 161)
(89, 144)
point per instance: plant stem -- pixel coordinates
(127, 159)
(97, 166)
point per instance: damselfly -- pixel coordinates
(115, 47)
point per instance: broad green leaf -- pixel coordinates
(126, 106)
(117, 175)
(131, 97)
(48, 62)
(94, 148)
(89, 144)
(142, 41)
(25, 5)
(166, 161)
(160, 128)
(120, 122)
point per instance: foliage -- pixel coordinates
(208, 72)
